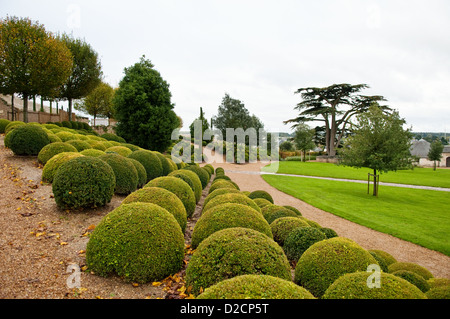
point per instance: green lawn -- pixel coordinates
(418, 216)
(417, 176)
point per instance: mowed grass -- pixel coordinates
(417, 176)
(419, 216)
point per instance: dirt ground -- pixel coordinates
(39, 242)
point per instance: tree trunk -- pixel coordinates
(70, 110)
(34, 103)
(12, 107)
(25, 108)
(375, 188)
(434, 165)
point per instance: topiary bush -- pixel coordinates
(79, 145)
(179, 188)
(113, 137)
(354, 286)
(415, 279)
(255, 287)
(142, 173)
(330, 233)
(52, 165)
(53, 138)
(227, 216)
(201, 173)
(166, 167)
(131, 147)
(161, 197)
(221, 184)
(232, 252)
(272, 212)
(121, 150)
(261, 202)
(191, 179)
(325, 261)
(140, 242)
(3, 124)
(236, 198)
(124, 171)
(261, 194)
(219, 191)
(83, 182)
(50, 150)
(12, 125)
(220, 171)
(92, 152)
(150, 162)
(420, 270)
(27, 139)
(387, 258)
(98, 145)
(219, 177)
(281, 227)
(299, 240)
(295, 210)
(442, 292)
(65, 136)
(209, 168)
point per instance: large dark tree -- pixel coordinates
(334, 105)
(143, 107)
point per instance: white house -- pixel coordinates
(420, 148)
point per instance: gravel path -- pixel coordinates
(248, 177)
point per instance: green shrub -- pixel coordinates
(228, 215)
(325, 261)
(124, 171)
(98, 145)
(354, 286)
(221, 184)
(166, 167)
(179, 188)
(295, 210)
(121, 150)
(150, 162)
(67, 124)
(236, 198)
(261, 194)
(27, 140)
(232, 252)
(142, 173)
(220, 171)
(380, 261)
(311, 222)
(442, 292)
(387, 258)
(255, 287)
(191, 179)
(140, 242)
(131, 147)
(210, 169)
(74, 125)
(113, 137)
(420, 270)
(217, 192)
(281, 227)
(50, 150)
(92, 152)
(415, 279)
(330, 233)
(201, 173)
(66, 136)
(79, 144)
(299, 240)
(12, 125)
(161, 197)
(220, 177)
(83, 182)
(438, 282)
(272, 212)
(52, 165)
(3, 124)
(53, 138)
(261, 202)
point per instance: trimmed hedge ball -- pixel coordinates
(66, 136)
(272, 212)
(255, 287)
(140, 242)
(236, 198)
(325, 261)
(219, 191)
(442, 292)
(12, 125)
(92, 152)
(166, 167)
(53, 138)
(83, 182)
(79, 144)
(124, 171)
(420, 270)
(232, 252)
(388, 258)
(98, 145)
(50, 150)
(261, 202)
(209, 168)
(113, 137)
(299, 240)
(354, 286)
(131, 147)
(27, 139)
(192, 179)
(52, 165)
(179, 188)
(150, 161)
(295, 210)
(142, 173)
(162, 197)
(281, 227)
(221, 184)
(3, 124)
(415, 279)
(261, 194)
(330, 233)
(227, 216)
(201, 173)
(121, 150)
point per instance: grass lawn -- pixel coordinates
(418, 216)
(417, 176)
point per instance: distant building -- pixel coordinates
(420, 149)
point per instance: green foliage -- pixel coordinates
(179, 187)
(221, 184)
(191, 179)
(142, 173)
(121, 150)
(218, 192)
(295, 210)
(228, 215)
(300, 239)
(232, 252)
(66, 136)
(281, 227)
(442, 292)
(330, 233)
(272, 212)
(113, 137)
(354, 286)
(166, 167)
(420, 270)
(150, 161)
(201, 173)
(327, 260)
(415, 279)
(143, 108)
(161, 197)
(435, 152)
(255, 287)
(79, 145)
(27, 140)
(83, 182)
(261, 202)
(124, 171)
(304, 138)
(11, 125)
(92, 152)
(229, 197)
(98, 102)
(261, 194)
(3, 124)
(52, 165)
(50, 150)
(140, 242)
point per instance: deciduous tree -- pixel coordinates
(435, 152)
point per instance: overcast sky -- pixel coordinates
(260, 52)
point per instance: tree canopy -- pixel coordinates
(334, 105)
(435, 152)
(99, 102)
(143, 107)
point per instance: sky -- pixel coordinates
(261, 52)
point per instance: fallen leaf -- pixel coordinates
(156, 283)
(63, 243)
